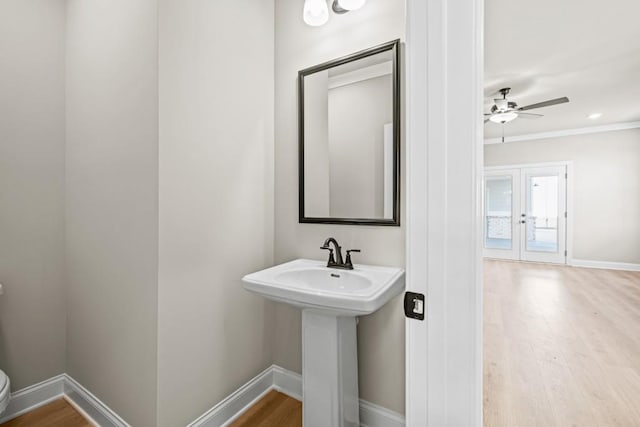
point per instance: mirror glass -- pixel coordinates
(349, 139)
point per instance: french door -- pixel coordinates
(525, 213)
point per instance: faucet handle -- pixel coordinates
(348, 262)
(331, 259)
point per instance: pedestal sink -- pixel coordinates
(330, 300)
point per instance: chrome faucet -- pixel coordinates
(337, 262)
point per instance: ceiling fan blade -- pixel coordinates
(545, 103)
(530, 115)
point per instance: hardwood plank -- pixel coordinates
(561, 346)
(58, 413)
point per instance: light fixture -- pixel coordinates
(503, 117)
(342, 6)
(315, 12)
(594, 116)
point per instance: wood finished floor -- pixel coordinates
(55, 414)
(273, 410)
(561, 346)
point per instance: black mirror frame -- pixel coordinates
(393, 46)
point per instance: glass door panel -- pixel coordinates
(501, 206)
(498, 213)
(542, 213)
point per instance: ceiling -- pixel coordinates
(586, 50)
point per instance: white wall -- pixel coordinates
(316, 146)
(32, 310)
(216, 200)
(357, 115)
(381, 335)
(112, 202)
(606, 188)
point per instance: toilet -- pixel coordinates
(5, 389)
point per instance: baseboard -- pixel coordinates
(605, 265)
(372, 415)
(62, 386)
(32, 397)
(237, 402)
(90, 406)
(99, 414)
(289, 383)
(82, 412)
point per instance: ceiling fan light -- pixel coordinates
(502, 104)
(503, 117)
(351, 4)
(315, 12)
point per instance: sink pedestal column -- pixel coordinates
(329, 370)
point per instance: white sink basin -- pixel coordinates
(310, 284)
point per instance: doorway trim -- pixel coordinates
(569, 196)
(444, 158)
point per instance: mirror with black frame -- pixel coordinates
(349, 139)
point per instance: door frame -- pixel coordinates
(444, 162)
(569, 197)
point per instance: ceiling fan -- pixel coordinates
(504, 111)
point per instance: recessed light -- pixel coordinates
(594, 116)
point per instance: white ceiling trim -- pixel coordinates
(564, 132)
